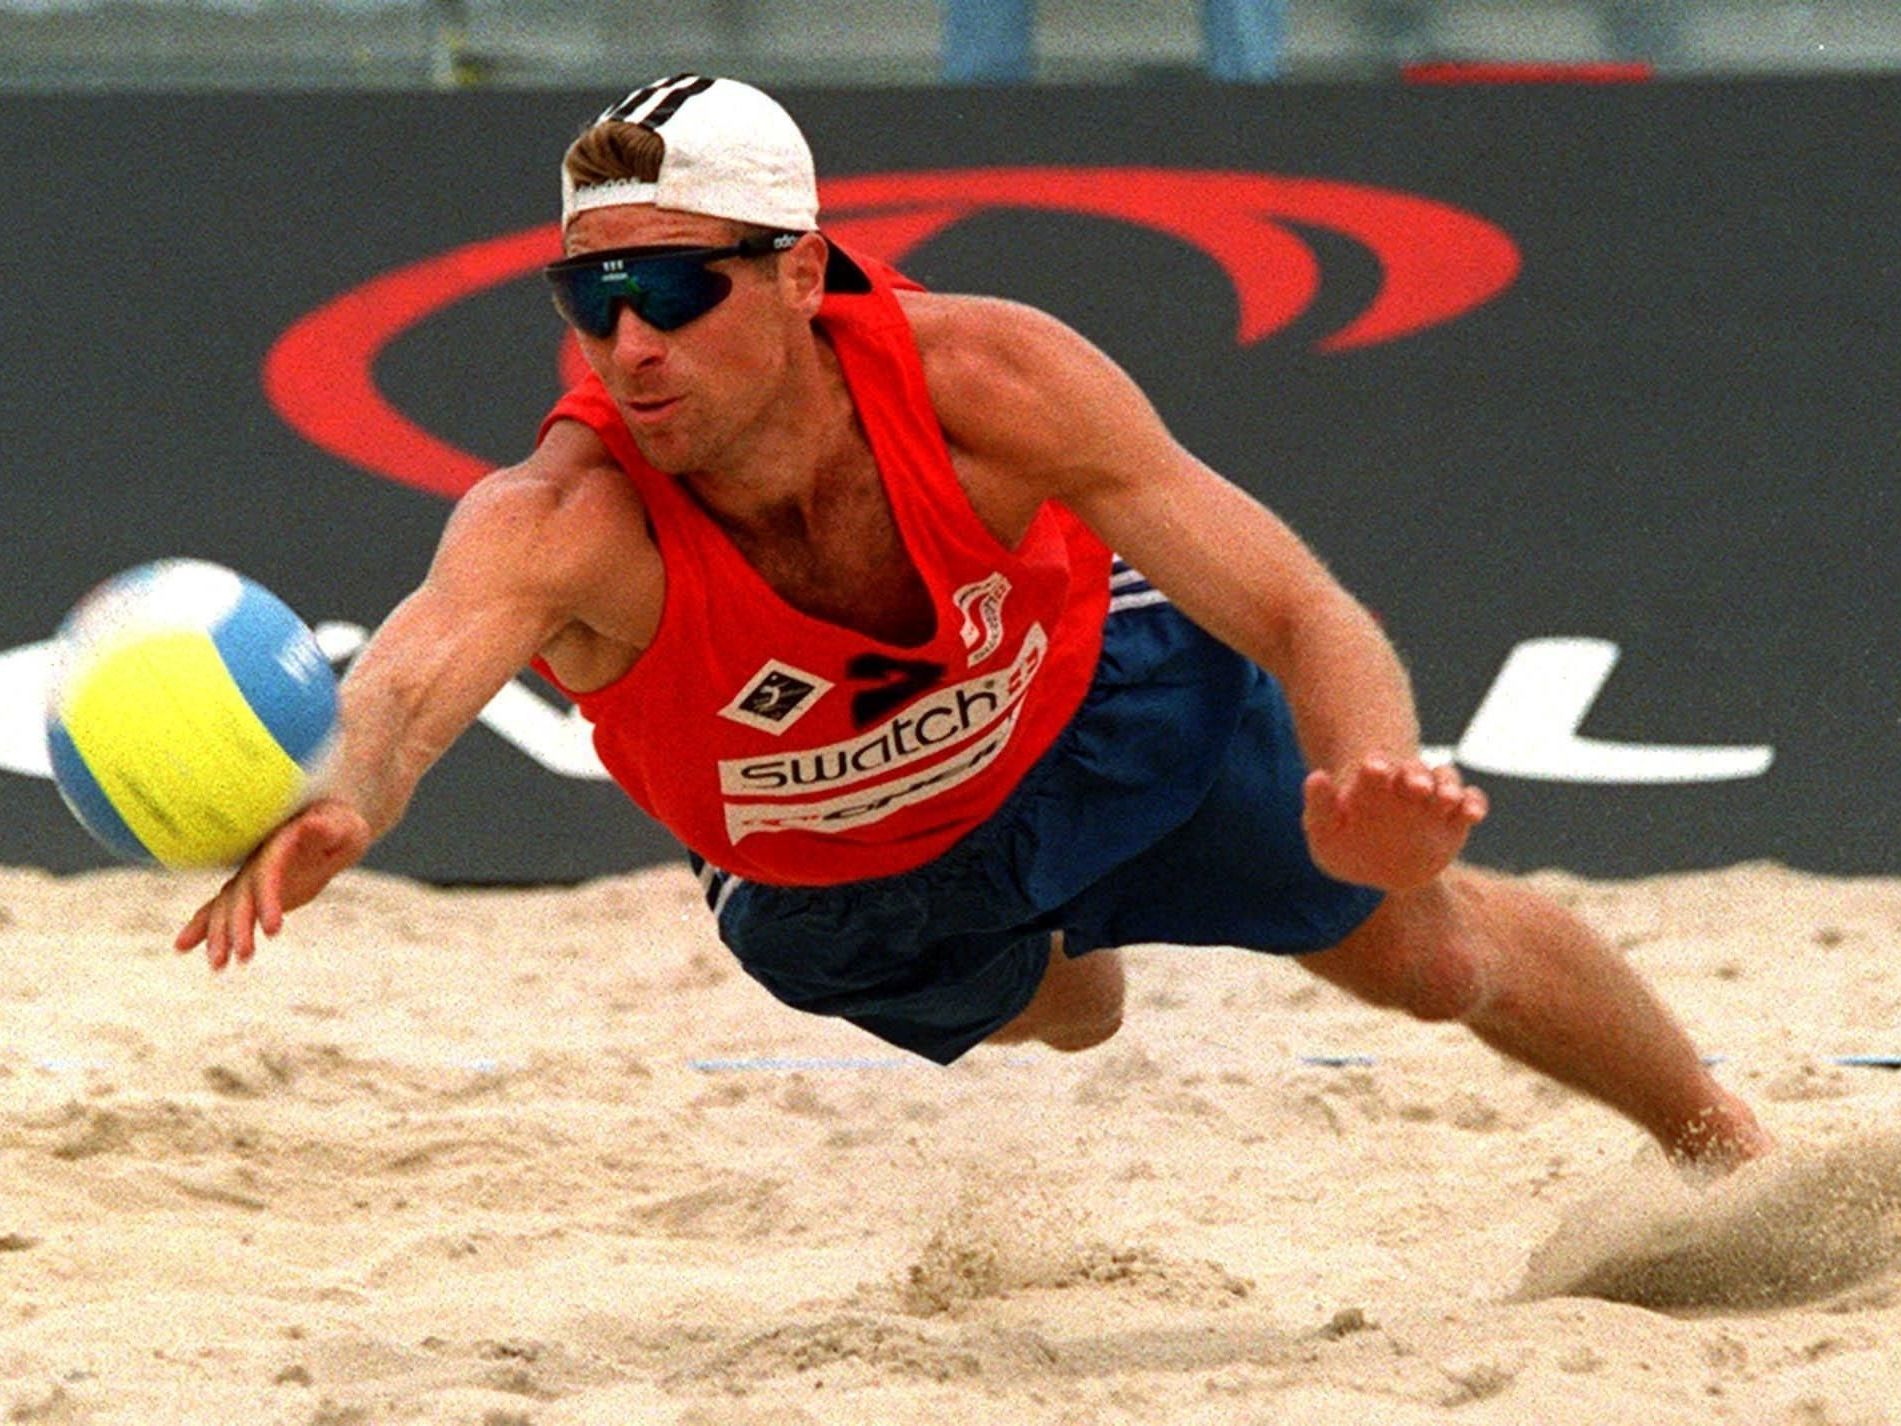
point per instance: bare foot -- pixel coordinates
(1719, 1140)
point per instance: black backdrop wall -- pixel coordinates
(1590, 393)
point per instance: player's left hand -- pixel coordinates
(1390, 823)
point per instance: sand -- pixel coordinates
(505, 1157)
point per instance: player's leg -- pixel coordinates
(1078, 1004)
(1537, 984)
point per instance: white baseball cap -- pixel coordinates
(731, 152)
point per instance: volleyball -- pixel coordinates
(189, 711)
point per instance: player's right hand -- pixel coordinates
(286, 870)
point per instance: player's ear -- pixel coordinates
(802, 272)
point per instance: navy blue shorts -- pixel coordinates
(1168, 810)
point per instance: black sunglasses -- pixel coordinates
(666, 287)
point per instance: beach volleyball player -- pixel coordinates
(826, 559)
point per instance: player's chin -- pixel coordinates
(670, 454)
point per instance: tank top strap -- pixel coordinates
(878, 352)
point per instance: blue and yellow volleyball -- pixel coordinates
(189, 712)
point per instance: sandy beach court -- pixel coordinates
(505, 1157)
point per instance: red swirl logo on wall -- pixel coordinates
(1436, 263)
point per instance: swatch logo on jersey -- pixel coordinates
(1436, 263)
(866, 778)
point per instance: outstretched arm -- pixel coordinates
(1033, 407)
(513, 574)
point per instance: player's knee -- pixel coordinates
(1076, 1035)
(1082, 999)
(1422, 952)
(1445, 980)
(1077, 1006)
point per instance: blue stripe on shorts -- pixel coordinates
(1168, 810)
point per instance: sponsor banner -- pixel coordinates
(1580, 389)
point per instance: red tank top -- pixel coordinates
(791, 750)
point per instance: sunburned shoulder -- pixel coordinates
(986, 342)
(1019, 391)
(568, 481)
(998, 370)
(564, 521)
